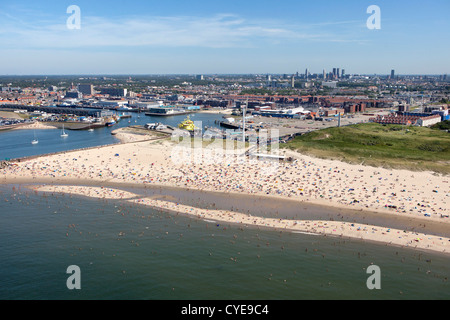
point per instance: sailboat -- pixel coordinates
(35, 141)
(64, 134)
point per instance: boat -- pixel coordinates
(64, 134)
(229, 125)
(110, 122)
(188, 125)
(35, 141)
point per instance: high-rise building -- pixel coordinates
(324, 74)
(337, 72)
(392, 74)
(293, 81)
(343, 73)
(115, 92)
(86, 89)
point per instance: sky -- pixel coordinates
(223, 37)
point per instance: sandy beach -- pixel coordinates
(36, 126)
(422, 196)
(135, 134)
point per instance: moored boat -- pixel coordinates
(188, 125)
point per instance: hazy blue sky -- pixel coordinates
(246, 36)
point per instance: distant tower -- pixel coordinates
(293, 81)
(337, 72)
(343, 73)
(324, 74)
(392, 74)
(306, 74)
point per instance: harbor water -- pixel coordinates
(17, 143)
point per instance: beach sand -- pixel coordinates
(136, 134)
(35, 126)
(417, 195)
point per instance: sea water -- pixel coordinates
(128, 251)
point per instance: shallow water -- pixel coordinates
(127, 251)
(265, 206)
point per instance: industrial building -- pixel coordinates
(114, 104)
(421, 120)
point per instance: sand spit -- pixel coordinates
(384, 235)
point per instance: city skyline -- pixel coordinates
(212, 38)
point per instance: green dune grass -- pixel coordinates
(389, 146)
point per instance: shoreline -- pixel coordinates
(328, 184)
(348, 230)
(36, 126)
(137, 134)
(328, 211)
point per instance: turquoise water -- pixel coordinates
(126, 251)
(17, 143)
